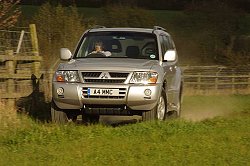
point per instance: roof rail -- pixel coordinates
(159, 28)
(98, 26)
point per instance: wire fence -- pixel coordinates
(19, 61)
(17, 39)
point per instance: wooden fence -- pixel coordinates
(198, 80)
(18, 70)
(206, 80)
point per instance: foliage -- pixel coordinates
(126, 16)
(57, 27)
(9, 13)
(196, 32)
(217, 25)
(149, 4)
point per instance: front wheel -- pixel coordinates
(58, 115)
(62, 116)
(157, 113)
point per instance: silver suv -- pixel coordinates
(118, 71)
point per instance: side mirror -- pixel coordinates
(170, 55)
(65, 54)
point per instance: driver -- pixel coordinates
(99, 49)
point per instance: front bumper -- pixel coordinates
(133, 96)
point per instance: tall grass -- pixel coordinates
(213, 142)
(218, 141)
(8, 118)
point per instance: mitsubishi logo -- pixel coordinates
(104, 75)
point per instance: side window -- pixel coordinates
(163, 45)
(171, 43)
(168, 43)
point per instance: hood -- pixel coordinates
(111, 64)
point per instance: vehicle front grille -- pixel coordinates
(91, 74)
(118, 75)
(104, 80)
(122, 94)
(104, 77)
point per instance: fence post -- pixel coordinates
(199, 82)
(34, 40)
(233, 81)
(51, 74)
(216, 82)
(9, 65)
(20, 42)
(233, 84)
(248, 87)
(36, 66)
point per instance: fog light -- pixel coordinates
(147, 92)
(60, 91)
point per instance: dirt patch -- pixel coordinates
(204, 113)
(203, 107)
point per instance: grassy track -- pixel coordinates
(219, 141)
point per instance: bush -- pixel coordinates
(57, 27)
(213, 25)
(126, 16)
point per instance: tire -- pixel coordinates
(90, 119)
(180, 100)
(176, 113)
(58, 115)
(149, 115)
(157, 113)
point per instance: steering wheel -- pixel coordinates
(148, 49)
(96, 55)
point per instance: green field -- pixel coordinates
(218, 141)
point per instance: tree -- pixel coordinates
(214, 25)
(57, 27)
(9, 13)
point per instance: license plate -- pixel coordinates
(103, 92)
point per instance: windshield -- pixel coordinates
(136, 45)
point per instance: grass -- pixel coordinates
(218, 141)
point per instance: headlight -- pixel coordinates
(67, 76)
(144, 77)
